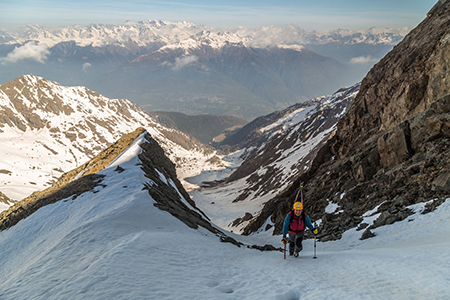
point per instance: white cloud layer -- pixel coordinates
(30, 50)
(363, 60)
(86, 67)
(180, 62)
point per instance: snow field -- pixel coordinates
(34, 160)
(115, 244)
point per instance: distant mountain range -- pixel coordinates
(149, 32)
(196, 69)
(233, 79)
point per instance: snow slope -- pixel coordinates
(114, 244)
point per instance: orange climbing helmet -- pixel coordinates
(298, 206)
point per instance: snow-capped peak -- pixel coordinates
(207, 38)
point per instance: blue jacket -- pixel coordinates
(287, 223)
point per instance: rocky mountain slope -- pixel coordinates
(391, 149)
(47, 129)
(275, 150)
(157, 64)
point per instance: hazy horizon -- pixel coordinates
(326, 15)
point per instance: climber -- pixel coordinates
(295, 223)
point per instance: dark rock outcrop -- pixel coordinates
(367, 234)
(4, 199)
(154, 162)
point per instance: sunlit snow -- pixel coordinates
(115, 244)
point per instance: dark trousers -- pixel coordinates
(295, 242)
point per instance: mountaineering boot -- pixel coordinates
(291, 254)
(295, 254)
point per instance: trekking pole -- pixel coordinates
(315, 247)
(315, 242)
(284, 251)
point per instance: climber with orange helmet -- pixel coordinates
(295, 223)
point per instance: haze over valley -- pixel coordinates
(196, 69)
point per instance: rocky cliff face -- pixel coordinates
(404, 83)
(392, 148)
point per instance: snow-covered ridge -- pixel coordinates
(292, 120)
(169, 33)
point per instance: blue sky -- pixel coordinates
(309, 14)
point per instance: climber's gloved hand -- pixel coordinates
(284, 241)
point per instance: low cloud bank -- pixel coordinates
(86, 67)
(30, 50)
(364, 60)
(181, 62)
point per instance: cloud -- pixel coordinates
(180, 62)
(30, 50)
(166, 63)
(363, 60)
(86, 67)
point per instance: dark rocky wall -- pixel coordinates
(392, 147)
